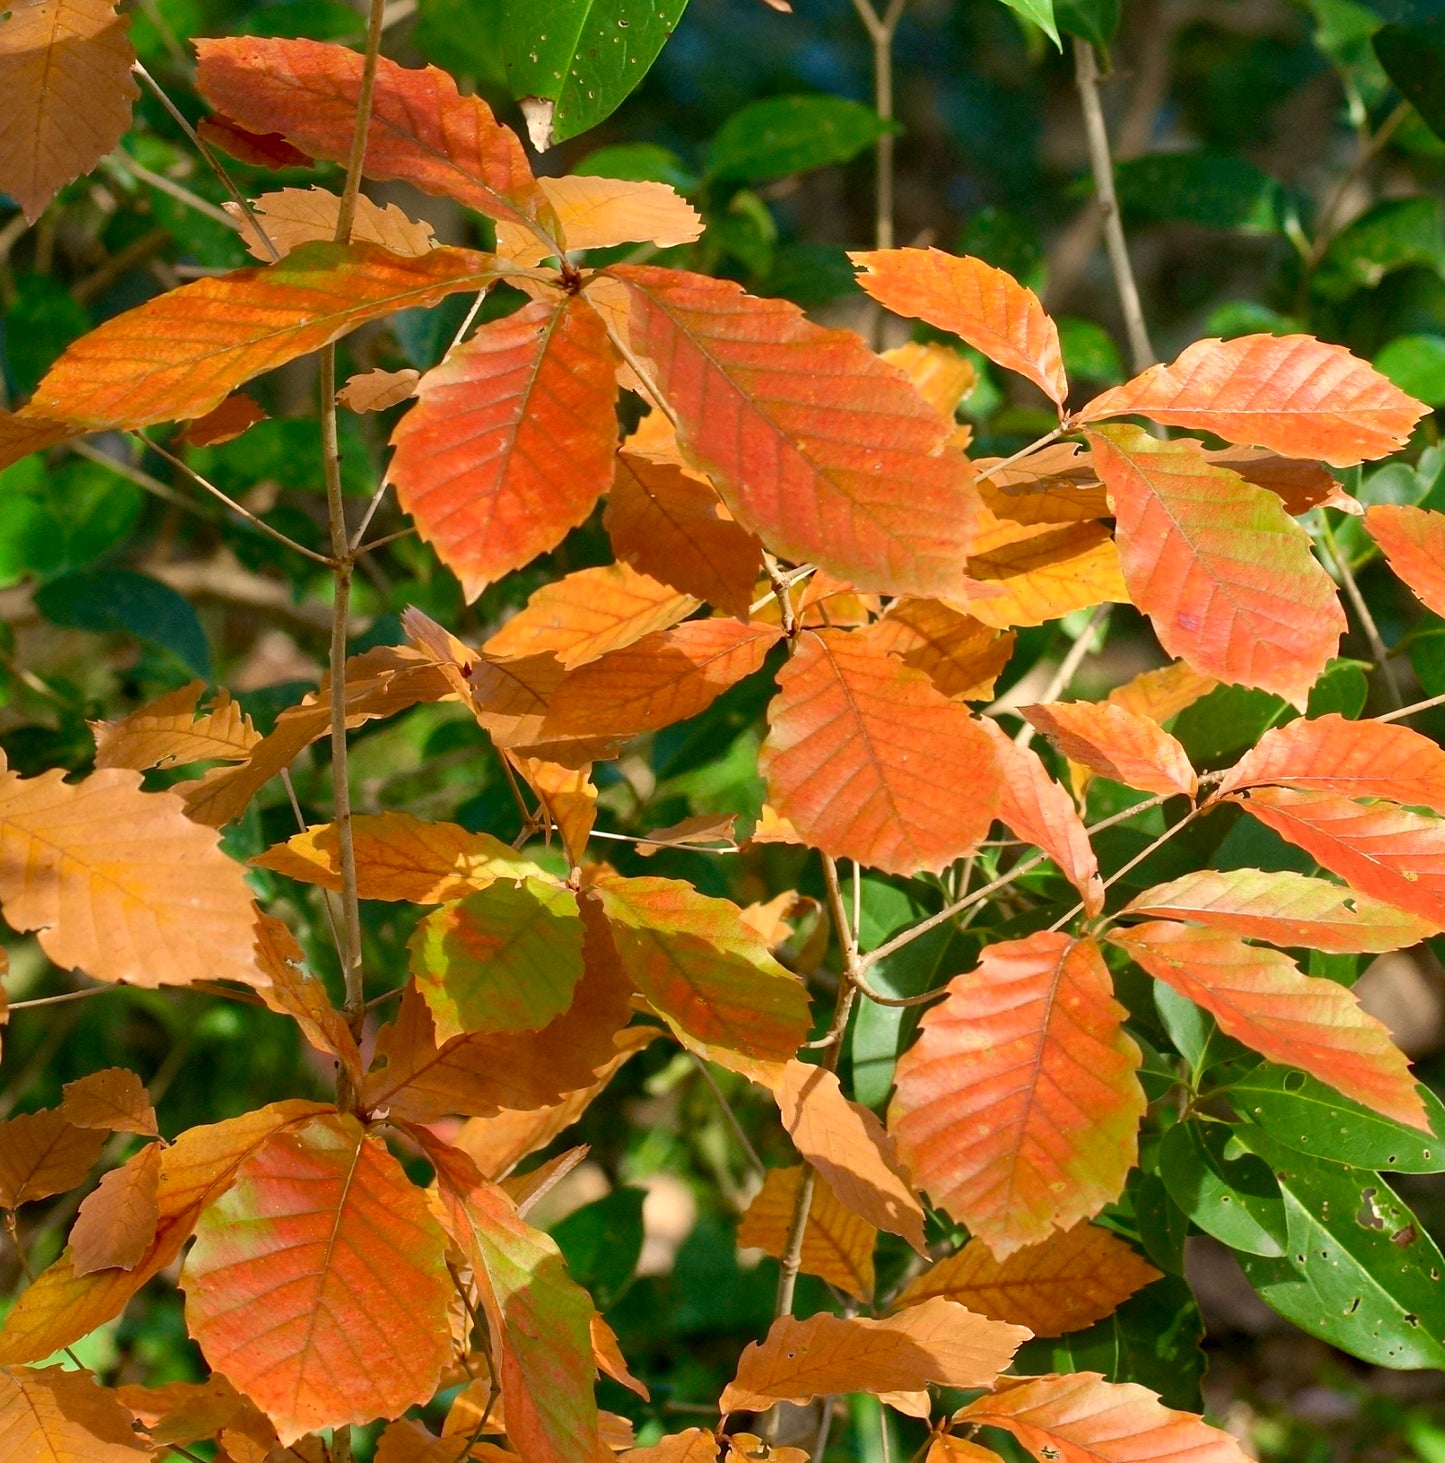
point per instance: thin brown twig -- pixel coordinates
(1362, 612)
(1068, 667)
(759, 1167)
(1326, 228)
(35, 1001)
(1425, 705)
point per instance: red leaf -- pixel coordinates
(324, 1228)
(1225, 575)
(512, 439)
(871, 762)
(238, 413)
(1018, 1106)
(1115, 742)
(422, 131)
(985, 306)
(1291, 393)
(1414, 543)
(1260, 997)
(825, 452)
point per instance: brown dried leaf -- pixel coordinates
(377, 390)
(294, 216)
(114, 1099)
(116, 1225)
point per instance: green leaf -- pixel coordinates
(108, 600)
(1358, 1271)
(1041, 13)
(1224, 723)
(636, 162)
(1309, 1117)
(461, 37)
(1201, 188)
(1163, 1226)
(601, 1243)
(1233, 1198)
(1416, 364)
(1342, 688)
(506, 958)
(1089, 351)
(41, 319)
(586, 56)
(784, 135)
(1413, 55)
(1094, 21)
(1392, 235)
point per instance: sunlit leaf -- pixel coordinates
(1114, 742)
(837, 1243)
(961, 655)
(295, 992)
(1414, 543)
(377, 390)
(168, 730)
(565, 795)
(596, 213)
(294, 216)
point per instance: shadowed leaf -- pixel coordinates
(1112, 741)
(58, 1416)
(837, 1243)
(116, 1225)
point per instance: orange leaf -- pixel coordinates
(1284, 908)
(1291, 393)
(22, 433)
(293, 991)
(1354, 759)
(511, 441)
(167, 731)
(1037, 809)
(187, 1412)
(377, 390)
(1117, 743)
(597, 213)
(260, 149)
(696, 1445)
(825, 452)
(116, 1225)
(410, 1442)
(705, 971)
(1056, 484)
(323, 1222)
(1414, 543)
(851, 1150)
(58, 1416)
(985, 306)
(587, 613)
(1081, 1418)
(1064, 1283)
(114, 1099)
(937, 1342)
(42, 1154)
(943, 377)
(294, 216)
(1225, 575)
(961, 655)
(1163, 693)
(65, 76)
(566, 795)
(422, 130)
(1260, 997)
(120, 883)
(1018, 1106)
(668, 522)
(238, 413)
(863, 756)
(1299, 485)
(182, 353)
(947, 1449)
(837, 1243)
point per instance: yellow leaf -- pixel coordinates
(837, 1243)
(293, 216)
(169, 731)
(596, 213)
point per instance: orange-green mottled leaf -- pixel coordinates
(1018, 1106)
(53, 1415)
(1414, 543)
(837, 1243)
(1115, 742)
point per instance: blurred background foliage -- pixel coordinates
(1280, 169)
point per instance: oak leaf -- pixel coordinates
(295, 216)
(168, 730)
(598, 213)
(1114, 742)
(116, 1224)
(1413, 540)
(837, 1242)
(42, 1153)
(53, 1415)
(114, 1099)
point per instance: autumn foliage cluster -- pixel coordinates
(786, 505)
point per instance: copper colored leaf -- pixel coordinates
(565, 795)
(1037, 809)
(589, 612)
(293, 991)
(1291, 393)
(53, 1415)
(1117, 743)
(1018, 1106)
(1163, 693)
(1284, 908)
(505, 958)
(1081, 1418)
(961, 655)
(696, 1445)
(238, 413)
(295, 216)
(944, 377)
(983, 305)
(1259, 997)
(185, 1412)
(863, 756)
(167, 731)
(24, 432)
(837, 1243)
(825, 452)
(1064, 1283)
(704, 971)
(410, 1442)
(322, 1226)
(850, 1149)
(42, 1154)
(114, 1099)
(947, 1449)
(1414, 543)
(511, 441)
(1356, 759)
(260, 149)
(750, 1448)
(120, 883)
(1225, 575)
(936, 1342)
(596, 213)
(1055, 484)
(116, 1225)
(65, 75)
(422, 130)
(1299, 485)
(377, 390)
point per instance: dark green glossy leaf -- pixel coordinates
(1392, 235)
(1342, 688)
(1094, 21)
(1413, 55)
(1201, 188)
(784, 135)
(1233, 1198)
(1416, 364)
(41, 319)
(1163, 1226)
(105, 600)
(602, 1242)
(1227, 721)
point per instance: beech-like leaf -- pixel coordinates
(43, 1153)
(293, 216)
(169, 730)
(598, 213)
(114, 1099)
(837, 1242)
(960, 654)
(1225, 575)
(1018, 1107)
(54, 1415)
(1414, 543)
(116, 1224)
(1114, 742)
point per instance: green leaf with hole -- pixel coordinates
(1228, 1194)
(779, 136)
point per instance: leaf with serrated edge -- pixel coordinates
(114, 1099)
(1290, 393)
(566, 795)
(1064, 1283)
(1018, 1107)
(864, 756)
(1413, 540)
(294, 216)
(377, 390)
(983, 305)
(511, 441)
(961, 655)
(1114, 742)
(1225, 575)
(53, 1415)
(293, 991)
(1284, 908)
(41, 1154)
(120, 883)
(696, 1445)
(324, 1224)
(1260, 997)
(837, 1243)
(937, 1342)
(167, 731)
(1081, 1418)
(116, 1224)
(598, 213)
(851, 1150)
(825, 452)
